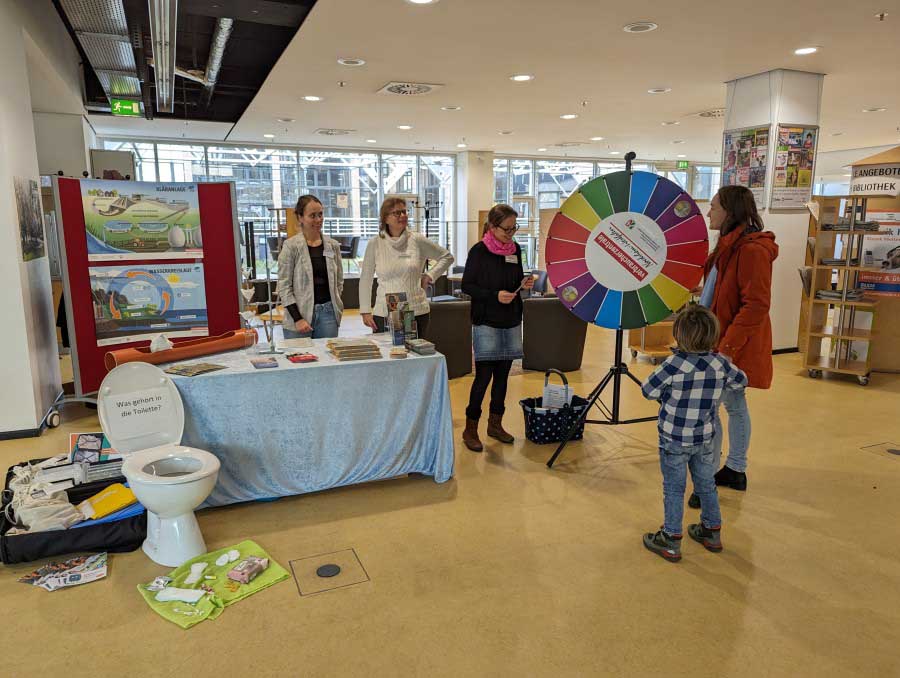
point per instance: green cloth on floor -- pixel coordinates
(225, 591)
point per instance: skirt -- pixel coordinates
(493, 343)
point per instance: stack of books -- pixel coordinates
(420, 346)
(835, 261)
(354, 349)
(843, 225)
(398, 352)
(837, 295)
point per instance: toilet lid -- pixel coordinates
(139, 408)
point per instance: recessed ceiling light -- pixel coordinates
(640, 27)
(460, 145)
(659, 90)
(877, 109)
(521, 78)
(451, 108)
(404, 127)
(351, 61)
(848, 175)
(269, 136)
(371, 141)
(596, 138)
(505, 132)
(837, 134)
(682, 155)
(541, 150)
(569, 116)
(285, 120)
(614, 152)
(669, 123)
(311, 97)
(803, 51)
(678, 141)
(421, 2)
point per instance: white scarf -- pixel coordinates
(399, 243)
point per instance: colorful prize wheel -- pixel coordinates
(626, 249)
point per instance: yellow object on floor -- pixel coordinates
(110, 500)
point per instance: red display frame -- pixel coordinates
(218, 225)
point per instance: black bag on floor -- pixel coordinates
(115, 537)
(544, 425)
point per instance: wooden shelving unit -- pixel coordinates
(831, 324)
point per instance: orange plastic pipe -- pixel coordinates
(194, 348)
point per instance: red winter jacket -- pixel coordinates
(741, 301)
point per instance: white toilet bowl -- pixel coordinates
(141, 413)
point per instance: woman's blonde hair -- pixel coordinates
(497, 215)
(696, 329)
(386, 208)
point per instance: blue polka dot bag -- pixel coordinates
(551, 424)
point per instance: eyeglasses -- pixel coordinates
(398, 213)
(513, 229)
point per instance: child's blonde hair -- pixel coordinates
(696, 329)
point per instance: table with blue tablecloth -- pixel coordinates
(307, 427)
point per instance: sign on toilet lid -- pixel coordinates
(139, 408)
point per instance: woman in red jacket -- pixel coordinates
(737, 289)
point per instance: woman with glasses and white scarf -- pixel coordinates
(400, 258)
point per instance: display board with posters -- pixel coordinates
(795, 157)
(882, 252)
(132, 303)
(745, 159)
(140, 220)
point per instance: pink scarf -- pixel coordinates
(496, 247)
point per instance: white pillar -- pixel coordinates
(474, 192)
(786, 97)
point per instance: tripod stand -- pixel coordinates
(614, 376)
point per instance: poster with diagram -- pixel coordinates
(795, 156)
(134, 303)
(141, 220)
(745, 159)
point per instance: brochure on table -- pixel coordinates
(794, 167)
(745, 159)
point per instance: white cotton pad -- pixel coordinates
(222, 560)
(196, 573)
(233, 555)
(182, 595)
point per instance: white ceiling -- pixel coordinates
(578, 52)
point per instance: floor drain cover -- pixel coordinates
(328, 571)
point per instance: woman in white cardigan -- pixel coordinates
(399, 257)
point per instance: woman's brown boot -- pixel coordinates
(495, 429)
(470, 436)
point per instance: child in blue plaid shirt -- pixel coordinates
(688, 386)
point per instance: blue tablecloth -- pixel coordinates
(307, 427)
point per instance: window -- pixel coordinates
(263, 178)
(556, 180)
(522, 177)
(501, 181)
(144, 157)
(436, 197)
(179, 162)
(680, 177)
(706, 181)
(347, 185)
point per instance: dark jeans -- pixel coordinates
(421, 323)
(485, 370)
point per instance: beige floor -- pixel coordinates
(514, 570)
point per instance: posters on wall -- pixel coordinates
(882, 253)
(134, 303)
(141, 220)
(31, 223)
(795, 154)
(745, 159)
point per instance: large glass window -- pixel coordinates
(436, 196)
(398, 174)
(347, 185)
(263, 177)
(501, 181)
(557, 179)
(180, 162)
(706, 181)
(144, 157)
(522, 177)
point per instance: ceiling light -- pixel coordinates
(569, 116)
(837, 134)
(542, 150)
(451, 108)
(596, 138)
(877, 109)
(505, 132)
(669, 123)
(803, 51)
(460, 145)
(848, 175)
(678, 141)
(351, 61)
(269, 136)
(521, 78)
(311, 97)
(404, 127)
(163, 29)
(614, 152)
(682, 155)
(640, 27)
(371, 141)
(659, 90)
(421, 2)
(285, 119)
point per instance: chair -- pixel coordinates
(552, 336)
(349, 248)
(450, 329)
(540, 284)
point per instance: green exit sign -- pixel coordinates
(683, 164)
(125, 107)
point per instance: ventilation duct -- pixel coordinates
(163, 22)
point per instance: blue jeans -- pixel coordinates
(324, 324)
(735, 402)
(674, 461)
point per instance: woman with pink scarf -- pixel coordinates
(493, 278)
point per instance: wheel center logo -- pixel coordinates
(626, 251)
